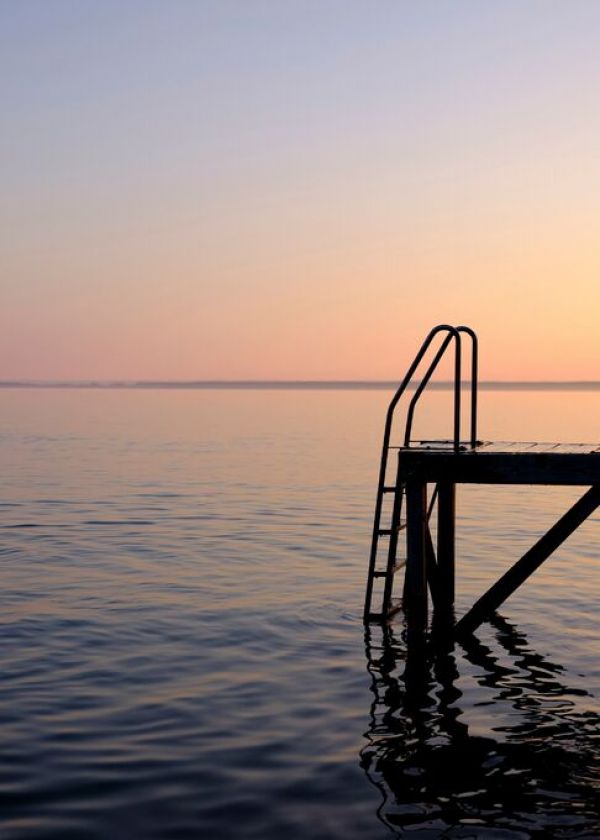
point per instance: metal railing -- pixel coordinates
(453, 333)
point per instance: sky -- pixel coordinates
(199, 189)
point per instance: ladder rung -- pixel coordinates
(395, 568)
(387, 532)
(390, 489)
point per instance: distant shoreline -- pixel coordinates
(293, 385)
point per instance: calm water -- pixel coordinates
(182, 648)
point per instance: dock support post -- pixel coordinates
(530, 561)
(446, 541)
(415, 590)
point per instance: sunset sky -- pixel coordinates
(297, 189)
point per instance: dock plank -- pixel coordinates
(513, 446)
(509, 446)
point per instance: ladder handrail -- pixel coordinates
(457, 385)
(474, 376)
(401, 389)
(430, 370)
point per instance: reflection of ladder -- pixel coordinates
(394, 489)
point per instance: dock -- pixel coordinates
(424, 478)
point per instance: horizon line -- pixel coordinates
(287, 384)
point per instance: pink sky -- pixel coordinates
(271, 191)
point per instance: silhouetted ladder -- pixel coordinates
(395, 526)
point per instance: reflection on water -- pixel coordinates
(532, 776)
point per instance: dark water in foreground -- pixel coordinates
(181, 644)
(534, 777)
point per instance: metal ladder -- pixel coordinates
(392, 532)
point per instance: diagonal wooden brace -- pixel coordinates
(530, 561)
(432, 570)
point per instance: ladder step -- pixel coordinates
(387, 532)
(390, 489)
(396, 568)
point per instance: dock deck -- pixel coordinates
(501, 463)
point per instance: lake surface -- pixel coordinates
(182, 648)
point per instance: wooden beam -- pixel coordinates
(431, 570)
(446, 540)
(482, 467)
(415, 589)
(530, 561)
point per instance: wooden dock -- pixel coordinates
(442, 465)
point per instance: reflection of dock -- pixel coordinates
(533, 773)
(445, 464)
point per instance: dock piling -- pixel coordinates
(416, 552)
(446, 540)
